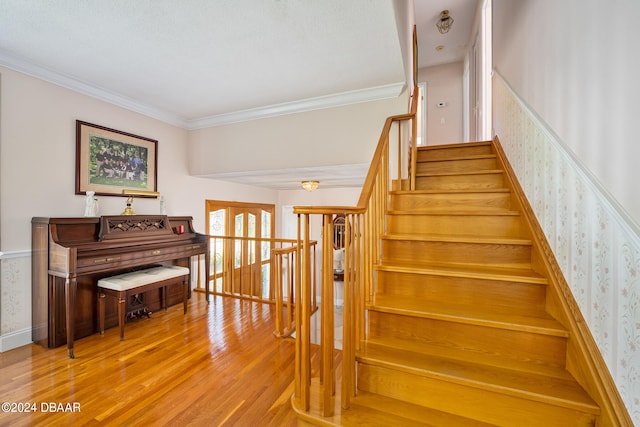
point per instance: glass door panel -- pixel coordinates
(249, 258)
(217, 227)
(265, 254)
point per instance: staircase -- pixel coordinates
(458, 334)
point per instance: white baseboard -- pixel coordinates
(15, 339)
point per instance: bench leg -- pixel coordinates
(122, 303)
(163, 290)
(101, 301)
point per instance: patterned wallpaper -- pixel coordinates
(15, 299)
(596, 246)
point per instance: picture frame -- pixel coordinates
(109, 161)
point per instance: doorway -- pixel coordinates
(241, 230)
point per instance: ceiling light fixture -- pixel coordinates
(445, 22)
(310, 185)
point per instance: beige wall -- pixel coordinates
(444, 85)
(580, 77)
(38, 159)
(37, 153)
(37, 167)
(344, 135)
(405, 21)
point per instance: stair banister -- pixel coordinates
(364, 225)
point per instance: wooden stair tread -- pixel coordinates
(454, 238)
(374, 410)
(535, 321)
(443, 200)
(476, 356)
(365, 401)
(461, 212)
(467, 271)
(455, 145)
(452, 191)
(457, 158)
(478, 172)
(564, 392)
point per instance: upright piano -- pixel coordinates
(70, 255)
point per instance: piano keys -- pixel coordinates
(70, 255)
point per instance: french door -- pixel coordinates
(241, 254)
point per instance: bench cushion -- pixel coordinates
(134, 279)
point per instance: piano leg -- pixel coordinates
(70, 286)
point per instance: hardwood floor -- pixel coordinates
(218, 365)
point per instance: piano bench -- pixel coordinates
(124, 285)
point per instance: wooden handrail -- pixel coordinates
(364, 224)
(367, 187)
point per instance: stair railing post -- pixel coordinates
(298, 285)
(327, 324)
(362, 275)
(290, 290)
(303, 316)
(348, 336)
(314, 280)
(400, 151)
(276, 262)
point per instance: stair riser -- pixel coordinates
(478, 181)
(451, 152)
(467, 401)
(450, 201)
(461, 165)
(517, 345)
(423, 253)
(498, 296)
(479, 225)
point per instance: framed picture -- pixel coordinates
(109, 161)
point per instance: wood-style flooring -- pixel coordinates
(218, 365)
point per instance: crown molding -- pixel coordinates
(42, 73)
(333, 176)
(335, 100)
